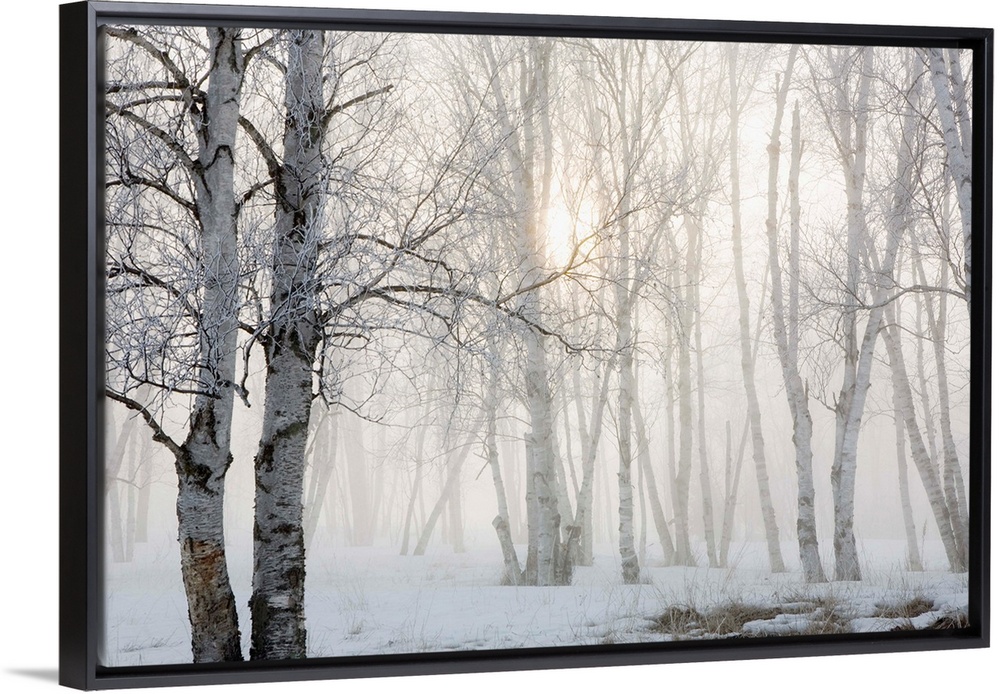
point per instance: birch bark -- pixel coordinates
(746, 357)
(786, 334)
(955, 128)
(277, 605)
(203, 459)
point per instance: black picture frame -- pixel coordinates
(81, 342)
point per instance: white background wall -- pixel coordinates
(29, 382)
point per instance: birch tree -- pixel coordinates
(949, 84)
(746, 358)
(292, 337)
(198, 293)
(786, 332)
(528, 153)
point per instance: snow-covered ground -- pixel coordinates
(373, 601)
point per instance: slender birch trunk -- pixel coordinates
(704, 474)
(418, 471)
(953, 482)
(454, 472)
(937, 328)
(656, 508)
(926, 468)
(277, 605)
(913, 562)
(591, 438)
(574, 491)
(852, 134)
(512, 567)
(733, 480)
(671, 398)
(626, 386)
(955, 127)
(786, 334)
(204, 457)
(746, 347)
(529, 159)
(733, 473)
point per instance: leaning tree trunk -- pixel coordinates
(204, 458)
(957, 140)
(734, 471)
(512, 567)
(656, 508)
(277, 606)
(452, 478)
(926, 468)
(954, 484)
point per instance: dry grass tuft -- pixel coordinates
(905, 610)
(959, 620)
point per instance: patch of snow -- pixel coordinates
(374, 601)
(780, 625)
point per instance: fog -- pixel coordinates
(512, 312)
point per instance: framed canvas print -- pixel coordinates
(419, 342)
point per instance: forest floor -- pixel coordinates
(373, 601)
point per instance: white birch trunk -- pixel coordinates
(955, 124)
(656, 508)
(953, 481)
(786, 335)
(733, 474)
(925, 466)
(512, 567)
(524, 155)
(705, 477)
(204, 457)
(954, 484)
(277, 605)
(746, 358)
(913, 562)
(854, 387)
(590, 442)
(626, 386)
